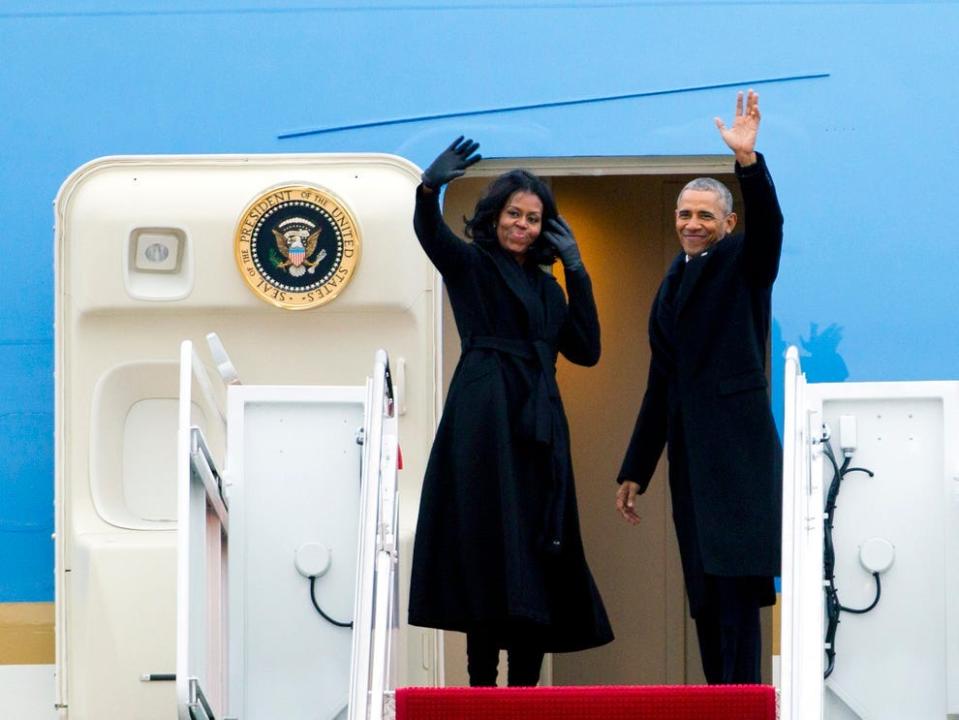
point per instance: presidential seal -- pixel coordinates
(297, 246)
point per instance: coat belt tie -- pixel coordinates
(538, 420)
(536, 416)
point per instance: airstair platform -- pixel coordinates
(610, 702)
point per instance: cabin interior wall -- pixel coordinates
(621, 225)
(624, 226)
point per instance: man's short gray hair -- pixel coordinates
(711, 185)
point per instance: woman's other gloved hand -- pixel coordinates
(451, 163)
(560, 236)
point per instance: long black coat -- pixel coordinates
(497, 545)
(706, 396)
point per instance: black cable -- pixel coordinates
(320, 610)
(829, 561)
(833, 607)
(832, 615)
(858, 611)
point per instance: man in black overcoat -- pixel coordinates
(706, 400)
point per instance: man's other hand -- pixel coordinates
(626, 501)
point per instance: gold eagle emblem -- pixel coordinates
(297, 244)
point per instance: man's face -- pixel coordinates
(701, 221)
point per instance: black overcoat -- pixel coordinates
(706, 396)
(497, 544)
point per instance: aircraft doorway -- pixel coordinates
(621, 210)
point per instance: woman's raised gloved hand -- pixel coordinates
(451, 163)
(560, 236)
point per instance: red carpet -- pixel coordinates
(611, 702)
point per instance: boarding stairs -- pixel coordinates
(324, 460)
(303, 512)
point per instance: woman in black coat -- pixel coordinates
(498, 553)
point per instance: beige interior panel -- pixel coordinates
(618, 222)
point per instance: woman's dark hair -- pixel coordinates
(482, 226)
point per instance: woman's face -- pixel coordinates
(520, 222)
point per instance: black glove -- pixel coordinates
(451, 163)
(560, 236)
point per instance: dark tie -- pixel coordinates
(675, 283)
(691, 272)
(666, 318)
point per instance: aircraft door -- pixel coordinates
(152, 250)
